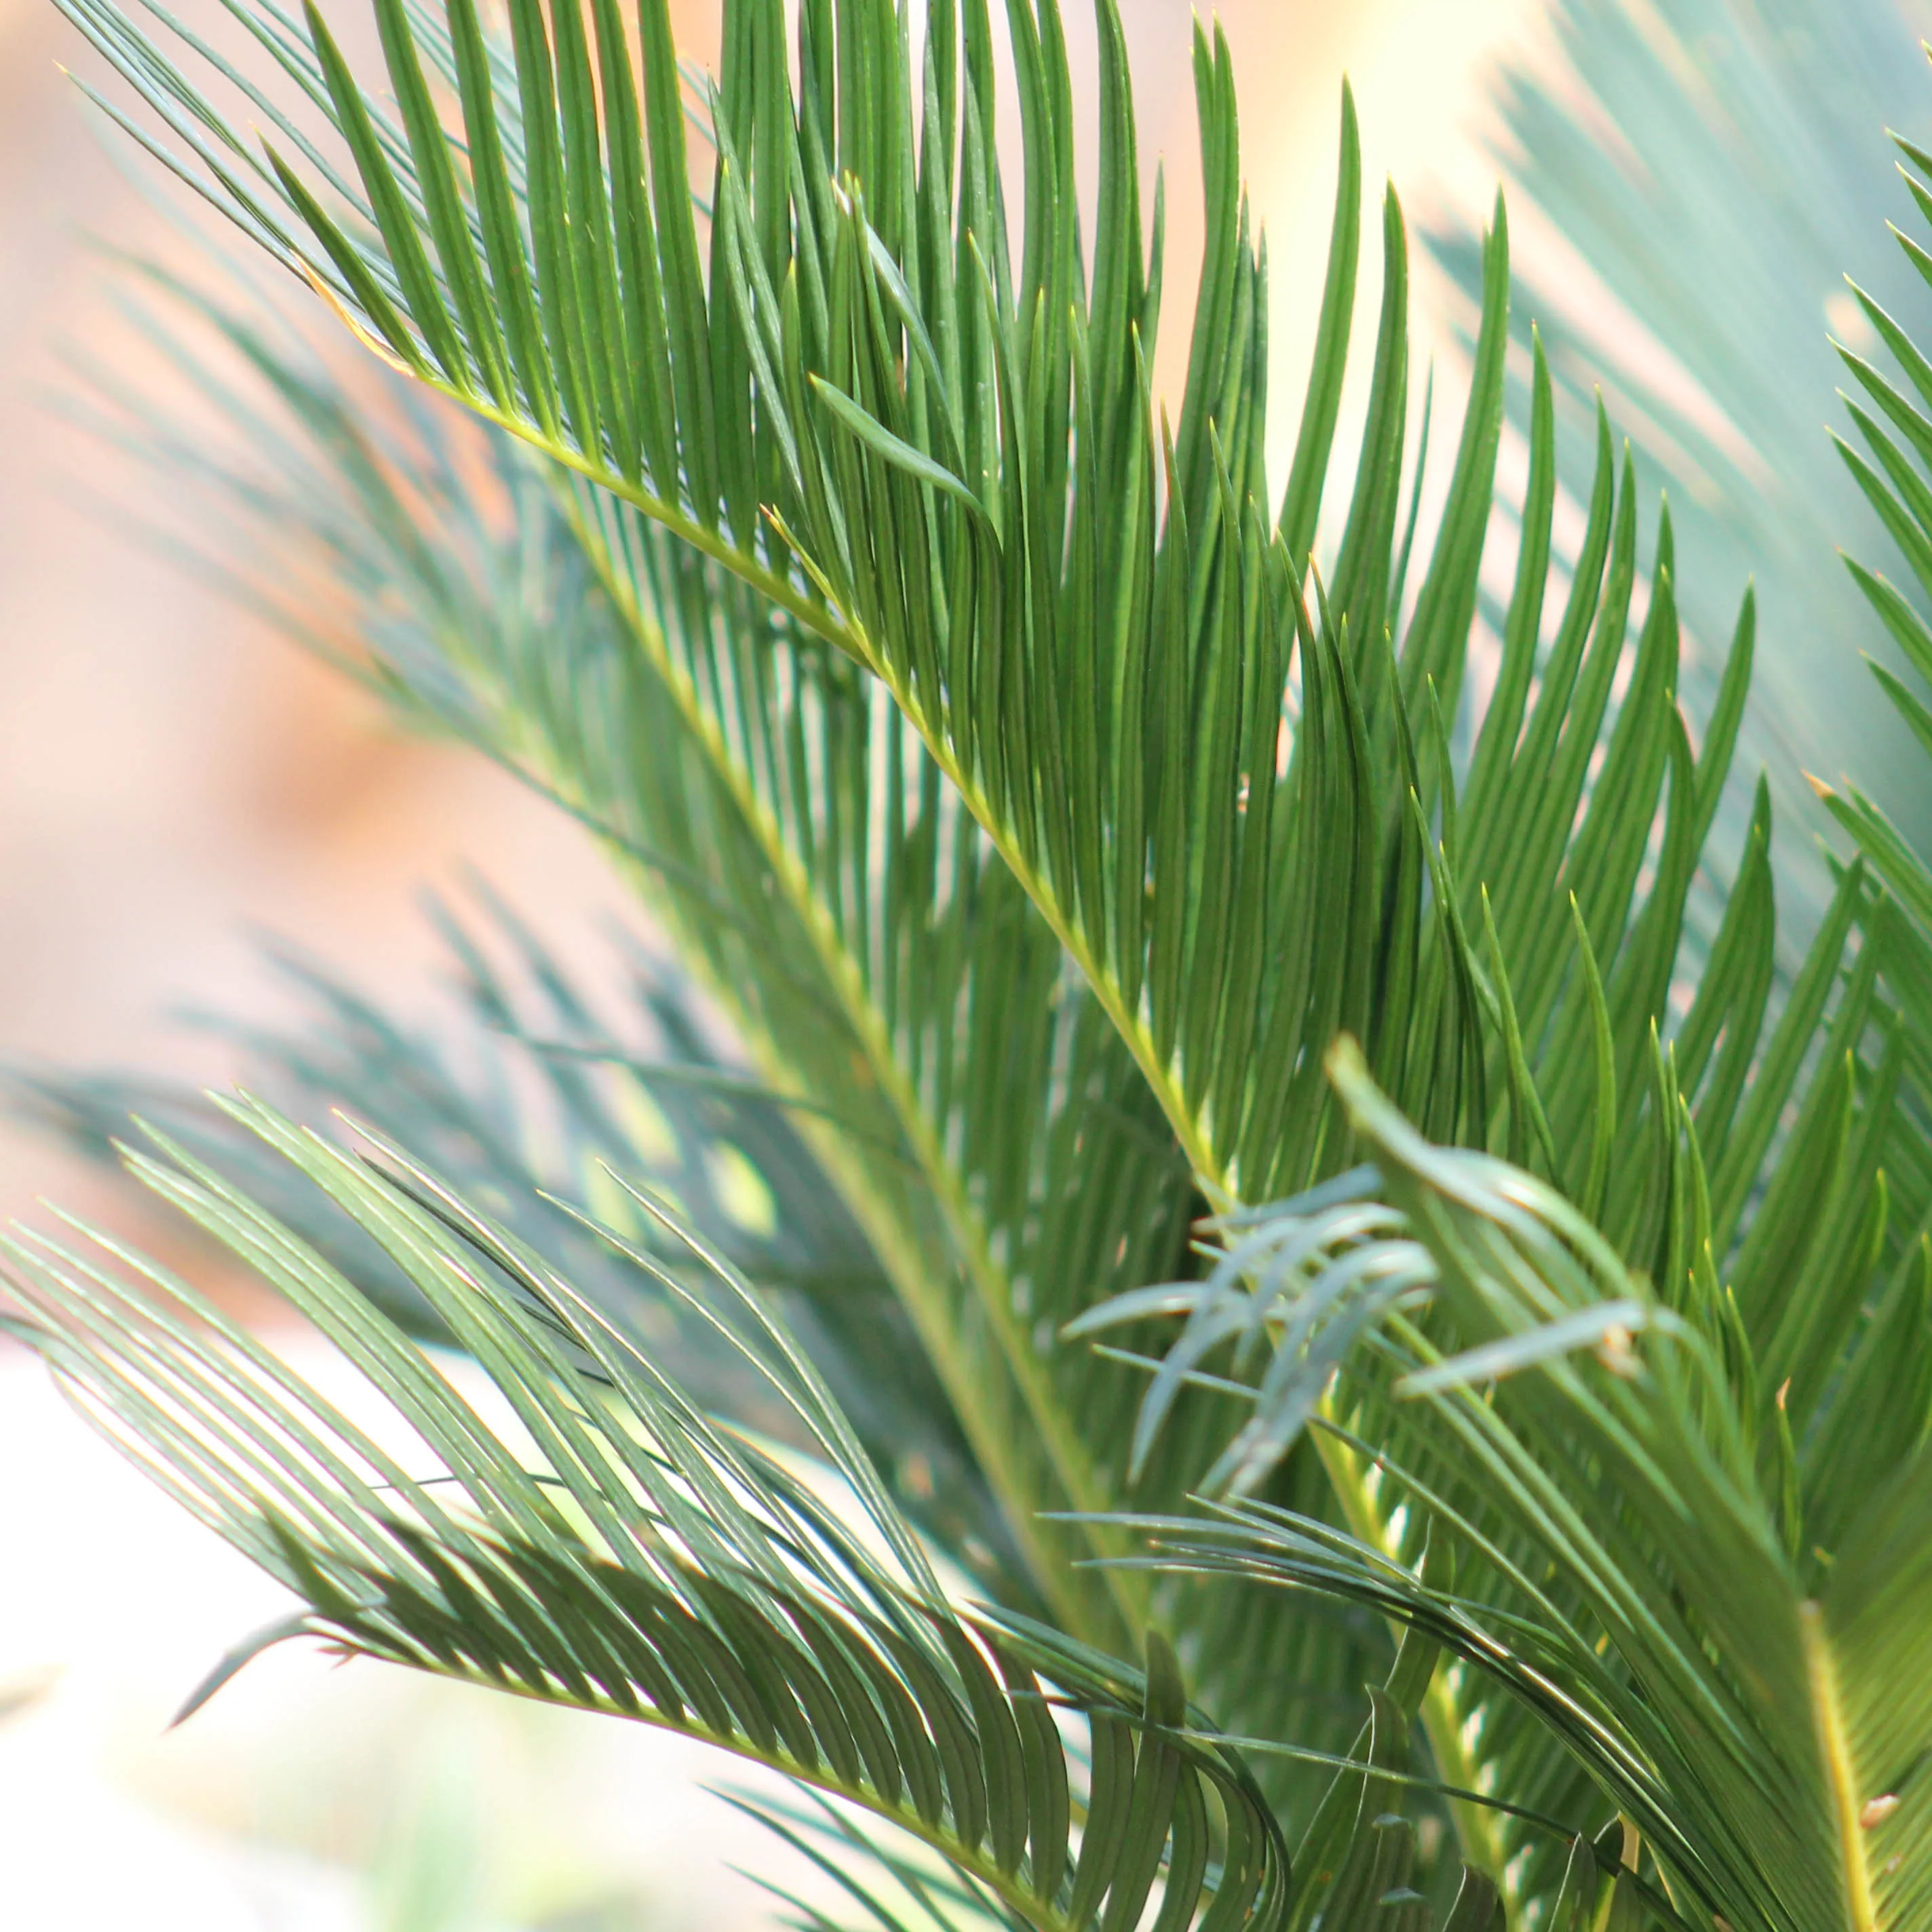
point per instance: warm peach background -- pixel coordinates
(169, 776)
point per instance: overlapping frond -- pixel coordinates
(937, 453)
(1642, 1570)
(844, 449)
(1784, 1217)
(937, 972)
(1688, 1497)
(631, 1556)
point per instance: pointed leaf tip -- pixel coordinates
(233, 1662)
(1343, 1060)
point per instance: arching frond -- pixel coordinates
(910, 468)
(880, 964)
(1006, 1183)
(632, 1557)
(1887, 464)
(939, 457)
(1356, 1865)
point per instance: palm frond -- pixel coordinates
(893, 1887)
(633, 1557)
(1357, 1865)
(1643, 1572)
(1041, 810)
(529, 1133)
(1098, 669)
(933, 968)
(901, 988)
(1886, 464)
(1812, 1301)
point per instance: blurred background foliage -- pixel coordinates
(1689, 179)
(1691, 183)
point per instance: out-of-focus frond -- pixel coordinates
(1713, 168)
(526, 1103)
(633, 1557)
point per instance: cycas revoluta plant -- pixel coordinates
(1129, 910)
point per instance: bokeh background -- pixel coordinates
(173, 781)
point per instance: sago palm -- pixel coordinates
(1143, 894)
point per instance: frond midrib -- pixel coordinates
(1835, 1754)
(1442, 1722)
(1085, 1489)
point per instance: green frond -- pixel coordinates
(885, 1885)
(1042, 794)
(898, 984)
(632, 1557)
(832, 949)
(530, 1132)
(1888, 462)
(1794, 1316)
(942, 461)
(1750, 1702)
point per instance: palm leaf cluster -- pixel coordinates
(1736, 1650)
(1041, 794)
(1701, 1481)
